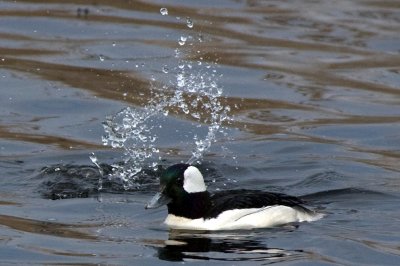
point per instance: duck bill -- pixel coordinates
(158, 200)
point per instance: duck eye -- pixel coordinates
(179, 181)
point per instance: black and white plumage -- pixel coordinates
(191, 206)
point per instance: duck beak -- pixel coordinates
(158, 200)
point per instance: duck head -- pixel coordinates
(177, 181)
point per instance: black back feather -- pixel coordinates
(244, 199)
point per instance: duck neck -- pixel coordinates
(190, 205)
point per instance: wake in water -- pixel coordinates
(193, 93)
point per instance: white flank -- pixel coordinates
(270, 216)
(193, 180)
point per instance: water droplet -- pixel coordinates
(101, 58)
(165, 69)
(92, 157)
(180, 80)
(114, 44)
(196, 115)
(182, 40)
(164, 11)
(189, 22)
(177, 53)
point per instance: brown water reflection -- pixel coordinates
(109, 84)
(44, 228)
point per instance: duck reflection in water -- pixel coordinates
(184, 245)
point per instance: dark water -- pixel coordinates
(316, 87)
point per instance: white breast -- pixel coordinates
(270, 216)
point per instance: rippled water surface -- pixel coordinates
(313, 93)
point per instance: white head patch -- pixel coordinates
(193, 180)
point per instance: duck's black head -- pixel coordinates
(176, 183)
(171, 180)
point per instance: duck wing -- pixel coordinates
(249, 199)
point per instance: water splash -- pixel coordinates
(131, 130)
(193, 92)
(202, 103)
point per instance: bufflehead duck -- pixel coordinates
(192, 207)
